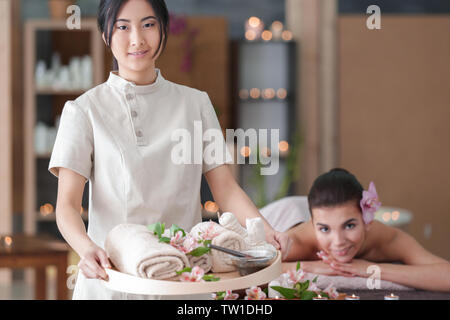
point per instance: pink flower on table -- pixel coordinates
(331, 291)
(255, 293)
(295, 276)
(229, 295)
(369, 203)
(313, 287)
(177, 241)
(196, 275)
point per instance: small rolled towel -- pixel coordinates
(230, 222)
(204, 262)
(220, 236)
(135, 250)
(256, 239)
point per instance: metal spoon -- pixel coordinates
(230, 251)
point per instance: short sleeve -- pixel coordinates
(215, 151)
(73, 148)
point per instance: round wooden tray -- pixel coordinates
(123, 282)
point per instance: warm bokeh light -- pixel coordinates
(395, 215)
(386, 216)
(283, 146)
(243, 94)
(268, 93)
(250, 35)
(266, 35)
(8, 241)
(245, 151)
(277, 26)
(286, 35)
(254, 22)
(255, 93)
(46, 209)
(211, 206)
(281, 93)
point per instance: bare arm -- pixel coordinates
(230, 197)
(71, 226)
(422, 269)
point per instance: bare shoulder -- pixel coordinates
(304, 245)
(391, 244)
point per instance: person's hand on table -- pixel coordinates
(94, 262)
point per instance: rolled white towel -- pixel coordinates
(133, 249)
(204, 262)
(230, 222)
(255, 230)
(220, 236)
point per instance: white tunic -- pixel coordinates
(119, 137)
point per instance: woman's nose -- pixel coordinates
(136, 38)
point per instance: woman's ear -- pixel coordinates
(368, 226)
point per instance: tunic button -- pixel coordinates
(129, 96)
(139, 133)
(134, 114)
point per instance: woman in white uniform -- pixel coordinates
(118, 136)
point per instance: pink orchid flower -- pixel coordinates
(190, 243)
(229, 295)
(313, 287)
(331, 291)
(196, 275)
(254, 293)
(177, 241)
(210, 232)
(369, 203)
(296, 276)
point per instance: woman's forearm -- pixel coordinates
(72, 228)
(432, 277)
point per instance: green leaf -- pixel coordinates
(164, 239)
(315, 279)
(174, 229)
(199, 251)
(157, 228)
(308, 295)
(298, 265)
(286, 292)
(187, 269)
(220, 295)
(304, 286)
(210, 277)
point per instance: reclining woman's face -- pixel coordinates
(340, 230)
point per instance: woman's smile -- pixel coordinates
(139, 54)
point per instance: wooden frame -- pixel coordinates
(97, 54)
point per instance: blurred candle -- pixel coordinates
(266, 35)
(391, 297)
(277, 30)
(253, 28)
(395, 215)
(255, 93)
(243, 94)
(352, 297)
(245, 151)
(283, 146)
(319, 297)
(8, 241)
(281, 93)
(286, 35)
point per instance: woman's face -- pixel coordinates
(340, 230)
(135, 37)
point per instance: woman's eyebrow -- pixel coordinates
(143, 19)
(346, 222)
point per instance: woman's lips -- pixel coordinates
(139, 54)
(341, 253)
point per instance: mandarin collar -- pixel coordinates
(123, 85)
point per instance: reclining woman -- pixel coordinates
(341, 238)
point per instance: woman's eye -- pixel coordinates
(324, 229)
(350, 226)
(122, 27)
(149, 25)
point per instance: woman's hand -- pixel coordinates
(281, 241)
(357, 267)
(320, 267)
(94, 262)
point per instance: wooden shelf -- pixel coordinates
(86, 41)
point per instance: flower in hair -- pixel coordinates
(369, 203)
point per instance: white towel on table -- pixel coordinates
(135, 250)
(220, 236)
